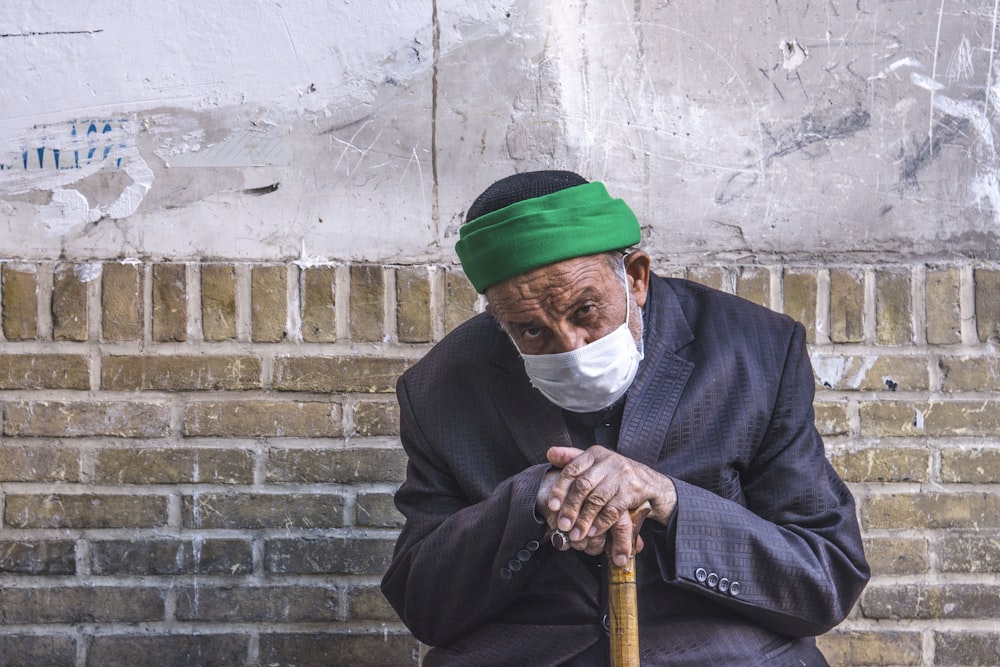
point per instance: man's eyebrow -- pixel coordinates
(523, 325)
(588, 294)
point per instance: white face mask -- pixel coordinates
(589, 378)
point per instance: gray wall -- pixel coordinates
(336, 131)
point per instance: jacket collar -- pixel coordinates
(657, 388)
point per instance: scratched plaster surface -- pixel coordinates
(223, 130)
(801, 127)
(353, 130)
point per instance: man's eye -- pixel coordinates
(531, 332)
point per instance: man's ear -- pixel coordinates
(637, 269)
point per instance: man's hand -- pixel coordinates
(592, 494)
(591, 545)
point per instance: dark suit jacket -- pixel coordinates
(764, 550)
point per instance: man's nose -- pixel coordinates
(570, 338)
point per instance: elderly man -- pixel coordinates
(590, 386)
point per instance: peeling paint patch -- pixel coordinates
(87, 272)
(58, 156)
(794, 54)
(70, 208)
(835, 372)
(67, 209)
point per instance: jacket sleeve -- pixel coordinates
(456, 564)
(785, 548)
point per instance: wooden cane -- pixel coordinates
(623, 610)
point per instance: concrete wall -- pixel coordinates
(362, 130)
(225, 228)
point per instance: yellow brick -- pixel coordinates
(20, 302)
(121, 302)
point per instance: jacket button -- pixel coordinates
(713, 580)
(700, 575)
(504, 573)
(734, 588)
(514, 565)
(723, 585)
(524, 555)
(532, 545)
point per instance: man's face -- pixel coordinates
(566, 305)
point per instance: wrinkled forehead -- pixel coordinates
(554, 288)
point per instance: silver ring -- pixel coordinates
(560, 540)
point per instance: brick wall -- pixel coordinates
(197, 460)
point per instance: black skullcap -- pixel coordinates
(519, 187)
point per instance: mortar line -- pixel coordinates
(81, 649)
(146, 276)
(146, 301)
(244, 304)
(390, 306)
(927, 635)
(777, 295)
(869, 319)
(918, 308)
(438, 297)
(822, 331)
(253, 647)
(343, 302)
(967, 304)
(293, 299)
(95, 312)
(192, 275)
(43, 296)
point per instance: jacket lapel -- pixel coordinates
(662, 375)
(534, 422)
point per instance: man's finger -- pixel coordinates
(583, 499)
(575, 461)
(560, 457)
(621, 540)
(599, 509)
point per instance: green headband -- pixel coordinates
(573, 222)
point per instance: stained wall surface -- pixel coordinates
(226, 228)
(344, 130)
